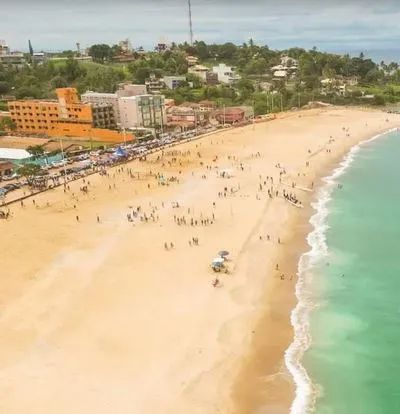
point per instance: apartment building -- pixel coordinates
(226, 74)
(103, 116)
(98, 98)
(143, 111)
(65, 117)
(124, 90)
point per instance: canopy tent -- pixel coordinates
(14, 154)
(119, 152)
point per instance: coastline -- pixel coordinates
(306, 391)
(298, 396)
(88, 279)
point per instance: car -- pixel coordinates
(10, 177)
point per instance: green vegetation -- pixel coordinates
(29, 170)
(7, 124)
(362, 80)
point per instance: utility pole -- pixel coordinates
(63, 161)
(190, 23)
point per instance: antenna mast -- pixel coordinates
(190, 23)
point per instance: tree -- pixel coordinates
(4, 87)
(35, 150)
(72, 70)
(29, 170)
(100, 53)
(7, 124)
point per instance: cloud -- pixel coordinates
(341, 25)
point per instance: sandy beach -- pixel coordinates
(97, 315)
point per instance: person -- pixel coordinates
(77, 218)
(98, 219)
(215, 282)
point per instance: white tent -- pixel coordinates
(13, 154)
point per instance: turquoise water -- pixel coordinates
(354, 357)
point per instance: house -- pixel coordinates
(280, 74)
(173, 82)
(192, 60)
(6, 168)
(200, 71)
(226, 74)
(39, 57)
(154, 85)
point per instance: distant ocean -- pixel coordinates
(348, 315)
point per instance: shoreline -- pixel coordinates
(299, 384)
(306, 393)
(158, 326)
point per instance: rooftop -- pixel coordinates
(13, 154)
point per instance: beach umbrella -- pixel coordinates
(223, 253)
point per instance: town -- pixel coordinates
(55, 107)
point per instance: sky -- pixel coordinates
(332, 25)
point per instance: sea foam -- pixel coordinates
(306, 391)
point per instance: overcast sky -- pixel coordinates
(334, 25)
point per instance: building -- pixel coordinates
(230, 115)
(16, 59)
(185, 116)
(4, 114)
(4, 49)
(14, 154)
(124, 90)
(226, 74)
(65, 117)
(6, 168)
(280, 75)
(39, 57)
(211, 78)
(207, 106)
(130, 89)
(161, 46)
(154, 85)
(173, 82)
(103, 116)
(98, 98)
(200, 71)
(126, 46)
(142, 111)
(192, 60)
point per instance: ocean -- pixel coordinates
(345, 358)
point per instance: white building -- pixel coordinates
(173, 82)
(98, 98)
(130, 89)
(124, 90)
(4, 49)
(226, 74)
(143, 111)
(200, 71)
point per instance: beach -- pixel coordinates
(104, 314)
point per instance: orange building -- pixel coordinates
(65, 117)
